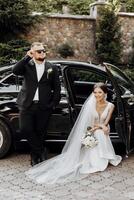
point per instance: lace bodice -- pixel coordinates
(99, 119)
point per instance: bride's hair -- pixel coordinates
(101, 86)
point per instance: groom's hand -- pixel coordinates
(30, 53)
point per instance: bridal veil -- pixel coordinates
(66, 165)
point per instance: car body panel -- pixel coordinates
(125, 103)
(77, 80)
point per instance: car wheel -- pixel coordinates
(5, 139)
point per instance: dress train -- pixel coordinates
(76, 161)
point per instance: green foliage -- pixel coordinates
(115, 5)
(108, 36)
(80, 7)
(130, 5)
(14, 18)
(76, 6)
(129, 72)
(13, 50)
(53, 6)
(47, 6)
(65, 50)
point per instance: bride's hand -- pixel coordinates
(105, 129)
(94, 128)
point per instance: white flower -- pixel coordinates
(49, 71)
(89, 140)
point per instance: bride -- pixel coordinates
(77, 160)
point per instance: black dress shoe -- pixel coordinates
(34, 160)
(43, 155)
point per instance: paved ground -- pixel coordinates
(115, 183)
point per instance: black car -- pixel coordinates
(77, 80)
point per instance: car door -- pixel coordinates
(124, 89)
(79, 79)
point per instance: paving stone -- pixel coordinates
(114, 183)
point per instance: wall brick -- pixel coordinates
(127, 29)
(79, 31)
(58, 29)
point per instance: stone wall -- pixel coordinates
(127, 29)
(79, 32)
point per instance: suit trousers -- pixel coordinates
(34, 123)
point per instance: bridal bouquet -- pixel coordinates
(89, 140)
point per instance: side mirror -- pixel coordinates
(127, 94)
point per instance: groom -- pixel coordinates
(40, 93)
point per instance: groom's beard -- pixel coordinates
(41, 59)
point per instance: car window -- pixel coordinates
(124, 83)
(87, 76)
(11, 82)
(82, 81)
(5, 70)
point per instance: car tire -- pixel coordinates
(5, 139)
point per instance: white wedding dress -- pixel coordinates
(76, 161)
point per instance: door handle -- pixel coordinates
(130, 101)
(6, 98)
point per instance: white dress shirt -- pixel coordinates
(40, 68)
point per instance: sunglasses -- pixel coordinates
(40, 51)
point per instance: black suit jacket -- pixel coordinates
(49, 84)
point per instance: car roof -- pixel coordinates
(5, 68)
(78, 63)
(62, 62)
